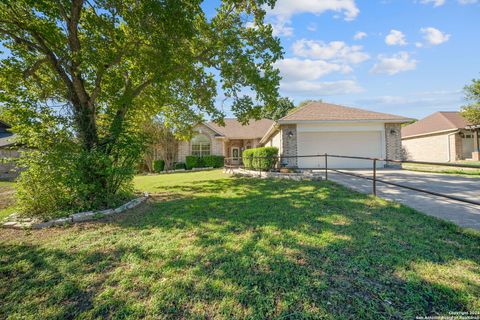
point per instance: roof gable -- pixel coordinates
(436, 122)
(4, 126)
(319, 111)
(233, 129)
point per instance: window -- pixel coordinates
(200, 145)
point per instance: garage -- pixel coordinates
(318, 128)
(352, 143)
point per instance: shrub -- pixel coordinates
(247, 157)
(158, 165)
(194, 162)
(263, 158)
(180, 165)
(213, 161)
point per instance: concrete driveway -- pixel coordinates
(462, 214)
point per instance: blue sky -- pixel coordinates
(410, 57)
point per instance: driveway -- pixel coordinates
(462, 214)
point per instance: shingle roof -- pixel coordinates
(4, 124)
(233, 129)
(7, 139)
(319, 111)
(438, 121)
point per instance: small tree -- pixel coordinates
(80, 78)
(305, 102)
(162, 144)
(471, 112)
(284, 106)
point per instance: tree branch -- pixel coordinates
(30, 71)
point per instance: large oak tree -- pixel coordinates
(89, 71)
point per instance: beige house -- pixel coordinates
(440, 137)
(316, 128)
(228, 141)
(319, 128)
(7, 151)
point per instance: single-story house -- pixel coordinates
(8, 150)
(319, 128)
(228, 141)
(441, 137)
(316, 128)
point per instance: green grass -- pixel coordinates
(444, 169)
(212, 247)
(6, 199)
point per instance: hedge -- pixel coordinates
(194, 162)
(205, 161)
(214, 161)
(264, 158)
(158, 165)
(179, 165)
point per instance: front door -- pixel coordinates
(235, 155)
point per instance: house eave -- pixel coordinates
(273, 128)
(345, 121)
(432, 133)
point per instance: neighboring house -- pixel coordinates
(316, 128)
(228, 141)
(7, 151)
(440, 137)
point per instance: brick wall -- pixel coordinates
(393, 142)
(216, 145)
(456, 147)
(289, 144)
(8, 170)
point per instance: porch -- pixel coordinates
(233, 148)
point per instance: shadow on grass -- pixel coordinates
(249, 248)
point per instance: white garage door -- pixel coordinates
(359, 144)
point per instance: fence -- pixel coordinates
(231, 163)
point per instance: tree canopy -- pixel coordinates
(83, 74)
(284, 106)
(471, 112)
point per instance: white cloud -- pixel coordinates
(288, 8)
(337, 51)
(416, 104)
(282, 28)
(359, 35)
(463, 2)
(434, 36)
(318, 88)
(394, 64)
(312, 27)
(294, 69)
(395, 38)
(436, 3)
(280, 16)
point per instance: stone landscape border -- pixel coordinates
(73, 218)
(298, 176)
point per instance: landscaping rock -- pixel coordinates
(62, 221)
(105, 212)
(83, 216)
(22, 223)
(297, 176)
(42, 225)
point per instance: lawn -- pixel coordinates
(208, 246)
(445, 169)
(7, 190)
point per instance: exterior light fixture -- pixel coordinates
(290, 134)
